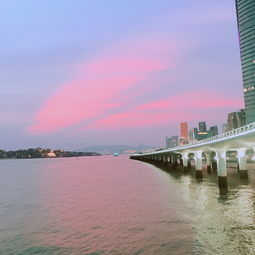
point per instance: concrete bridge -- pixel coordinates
(240, 141)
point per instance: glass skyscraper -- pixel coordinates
(246, 27)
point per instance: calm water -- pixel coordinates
(113, 205)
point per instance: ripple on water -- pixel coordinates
(115, 206)
(47, 250)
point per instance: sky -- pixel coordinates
(81, 73)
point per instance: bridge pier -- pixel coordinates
(185, 162)
(174, 161)
(168, 160)
(214, 166)
(181, 162)
(209, 162)
(189, 163)
(242, 164)
(199, 165)
(161, 159)
(222, 169)
(185, 165)
(165, 160)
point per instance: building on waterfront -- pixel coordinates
(184, 138)
(193, 134)
(246, 28)
(201, 135)
(236, 119)
(171, 141)
(202, 132)
(184, 129)
(213, 131)
(224, 127)
(197, 134)
(202, 126)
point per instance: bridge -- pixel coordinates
(214, 150)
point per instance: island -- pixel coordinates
(43, 153)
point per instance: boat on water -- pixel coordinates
(116, 154)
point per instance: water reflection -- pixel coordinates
(223, 221)
(104, 205)
(113, 205)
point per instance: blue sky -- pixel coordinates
(80, 73)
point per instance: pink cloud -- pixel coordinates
(194, 100)
(189, 106)
(134, 119)
(79, 101)
(130, 120)
(97, 91)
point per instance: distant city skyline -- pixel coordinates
(80, 73)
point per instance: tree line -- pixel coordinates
(43, 153)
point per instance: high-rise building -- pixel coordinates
(202, 132)
(167, 143)
(184, 130)
(236, 119)
(213, 131)
(224, 127)
(171, 141)
(193, 134)
(246, 28)
(196, 134)
(202, 126)
(184, 138)
(202, 135)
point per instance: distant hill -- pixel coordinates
(43, 153)
(121, 149)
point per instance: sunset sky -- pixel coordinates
(94, 72)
